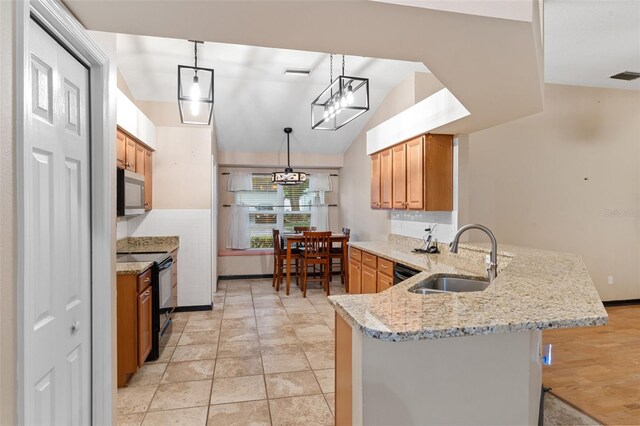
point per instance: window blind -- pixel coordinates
(276, 206)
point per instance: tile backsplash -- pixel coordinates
(413, 224)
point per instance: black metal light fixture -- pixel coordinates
(344, 100)
(195, 91)
(288, 177)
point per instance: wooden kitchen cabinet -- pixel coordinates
(145, 329)
(174, 279)
(134, 323)
(416, 174)
(399, 176)
(130, 154)
(386, 170)
(369, 280)
(368, 273)
(121, 142)
(148, 180)
(375, 181)
(355, 276)
(140, 160)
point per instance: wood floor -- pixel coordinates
(597, 369)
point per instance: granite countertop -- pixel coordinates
(534, 290)
(132, 268)
(148, 244)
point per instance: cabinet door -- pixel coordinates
(399, 176)
(386, 167)
(439, 173)
(415, 174)
(148, 180)
(375, 181)
(140, 159)
(145, 329)
(355, 277)
(384, 282)
(121, 142)
(130, 155)
(369, 280)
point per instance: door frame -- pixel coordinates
(56, 19)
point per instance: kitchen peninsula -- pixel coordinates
(406, 358)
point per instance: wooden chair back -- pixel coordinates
(317, 244)
(299, 229)
(277, 247)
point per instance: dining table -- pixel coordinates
(289, 239)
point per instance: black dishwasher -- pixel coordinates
(402, 272)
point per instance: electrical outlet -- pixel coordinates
(610, 280)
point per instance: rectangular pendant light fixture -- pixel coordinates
(195, 92)
(344, 100)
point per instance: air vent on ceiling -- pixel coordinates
(627, 75)
(294, 71)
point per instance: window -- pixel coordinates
(276, 206)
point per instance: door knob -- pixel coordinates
(75, 327)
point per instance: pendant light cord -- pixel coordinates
(343, 65)
(195, 55)
(288, 153)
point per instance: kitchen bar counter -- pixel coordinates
(534, 290)
(148, 244)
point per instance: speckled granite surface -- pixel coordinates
(147, 244)
(132, 268)
(535, 289)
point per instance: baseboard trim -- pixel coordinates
(629, 302)
(255, 276)
(244, 277)
(194, 308)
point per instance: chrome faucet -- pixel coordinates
(492, 269)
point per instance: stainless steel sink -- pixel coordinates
(449, 284)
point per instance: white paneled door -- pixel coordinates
(57, 237)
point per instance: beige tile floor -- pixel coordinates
(259, 358)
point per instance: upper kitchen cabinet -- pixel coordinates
(399, 176)
(136, 156)
(121, 143)
(416, 174)
(386, 172)
(375, 181)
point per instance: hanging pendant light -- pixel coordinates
(288, 177)
(195, 91)
(345, 99)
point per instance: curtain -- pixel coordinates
(320, 217)
(239, 181)
(320, 182)
(238, 234)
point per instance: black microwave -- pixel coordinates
(130, 197)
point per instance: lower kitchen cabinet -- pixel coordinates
(134, 323)
(368, 273)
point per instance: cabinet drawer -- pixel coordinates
(355, 254)
(370, 260)
(144, 280)
(385, 267)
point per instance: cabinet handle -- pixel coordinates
(147, 280)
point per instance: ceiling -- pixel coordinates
(586, 42)
(254, 99)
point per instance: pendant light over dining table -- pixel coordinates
(345, 99)
(195, 91)
(288, 177)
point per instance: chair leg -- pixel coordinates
(304, 279)
(328, 278)
(276, 273)
(273, 283)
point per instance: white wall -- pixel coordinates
(193, 226)
(567, 179)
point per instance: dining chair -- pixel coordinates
(337, 253)
(299, 229)
(279, 260)
(316, 253)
